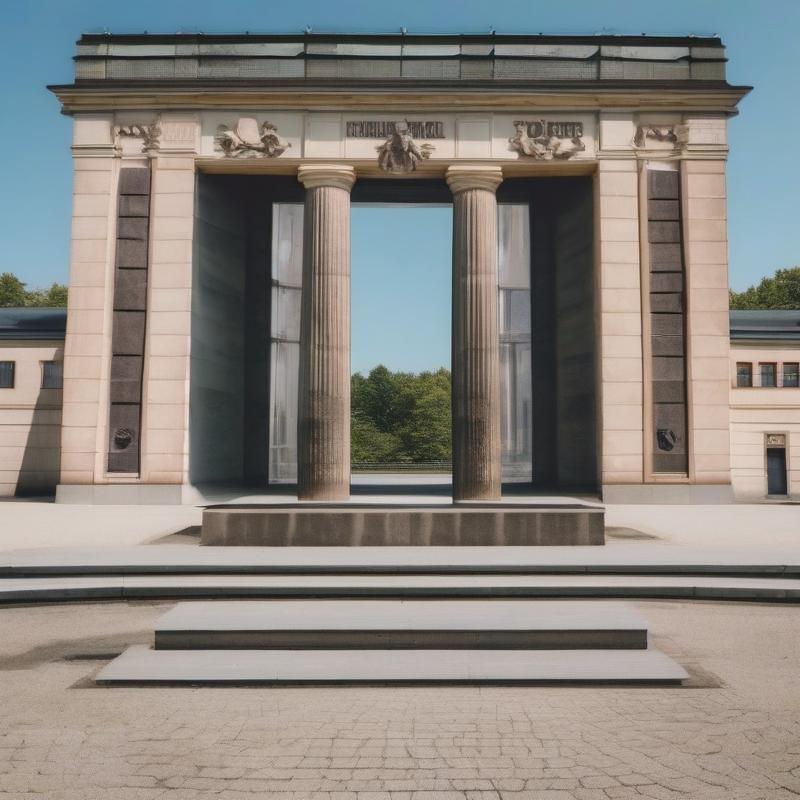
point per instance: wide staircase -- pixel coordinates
(332, 641)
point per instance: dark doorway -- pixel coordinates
(776, 470)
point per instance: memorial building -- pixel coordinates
(208, 331)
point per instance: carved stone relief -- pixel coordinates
(400, 153)
(246, 139)
(545, 141)
(149, 134)
(671, 134)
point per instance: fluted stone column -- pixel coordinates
(323, 423)
(476, 337)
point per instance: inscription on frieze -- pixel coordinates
(383, 129)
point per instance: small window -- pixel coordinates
(744, 373)
(768, 375)
(6, 374)
(791, 374)
(52, 374)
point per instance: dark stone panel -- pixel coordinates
(669, 427)
(575, 337)
(667, 345)
(663, 210)
(128, 333)
(132, 228)
(666, 324)
(543, 324)
(671, 303)
(668, 368)
(123, 437)
(130, 290)
(665, 256)
(663, 184)
(134, 205)
(669, 391)
(134, 180)
(666, 282)
(126, 379)
(132, 253)
(670, 462)
(662, 231)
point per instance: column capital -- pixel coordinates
(461, 177)
(339, 176)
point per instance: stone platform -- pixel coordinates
(403, 525)
(396, 641)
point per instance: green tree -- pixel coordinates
(12, 291)
(13, 294)
(54, 297)
(368, 444)
(427, 433)
(782, 291)
(400, 417)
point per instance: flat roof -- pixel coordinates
(192, 59)
(772, 325)
(33, 324)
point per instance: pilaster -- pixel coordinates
(87, 343)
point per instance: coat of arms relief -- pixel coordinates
(248, 139)
(545, 141)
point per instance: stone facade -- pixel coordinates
(31, 361)
(765, 404)
(277, 108)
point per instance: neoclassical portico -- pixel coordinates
(324, 385)
(208, 339)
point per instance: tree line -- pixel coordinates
(400, 417)
(14, 294)
(781, 291)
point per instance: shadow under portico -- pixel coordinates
(245, 338)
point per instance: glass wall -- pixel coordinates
(287, 281)
(514, 316)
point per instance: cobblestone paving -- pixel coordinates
(734, 734)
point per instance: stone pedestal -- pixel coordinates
(476, 338)
(323, 425)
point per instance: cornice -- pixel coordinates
(104, 98)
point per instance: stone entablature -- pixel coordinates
(519, 140)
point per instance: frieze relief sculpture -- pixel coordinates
(149, 134)
(247, 140)
(541, 140)
(400, 153)
(673, 134)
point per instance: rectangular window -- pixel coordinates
(768, 375)
(6, 374)
(744, 373)
(52, 374)
(791, 374)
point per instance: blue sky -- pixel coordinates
(762, 37)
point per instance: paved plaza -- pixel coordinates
(732, 732)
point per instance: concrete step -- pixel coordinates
(141, 665)
(51, 589)
(401, 624)
(170, 559)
